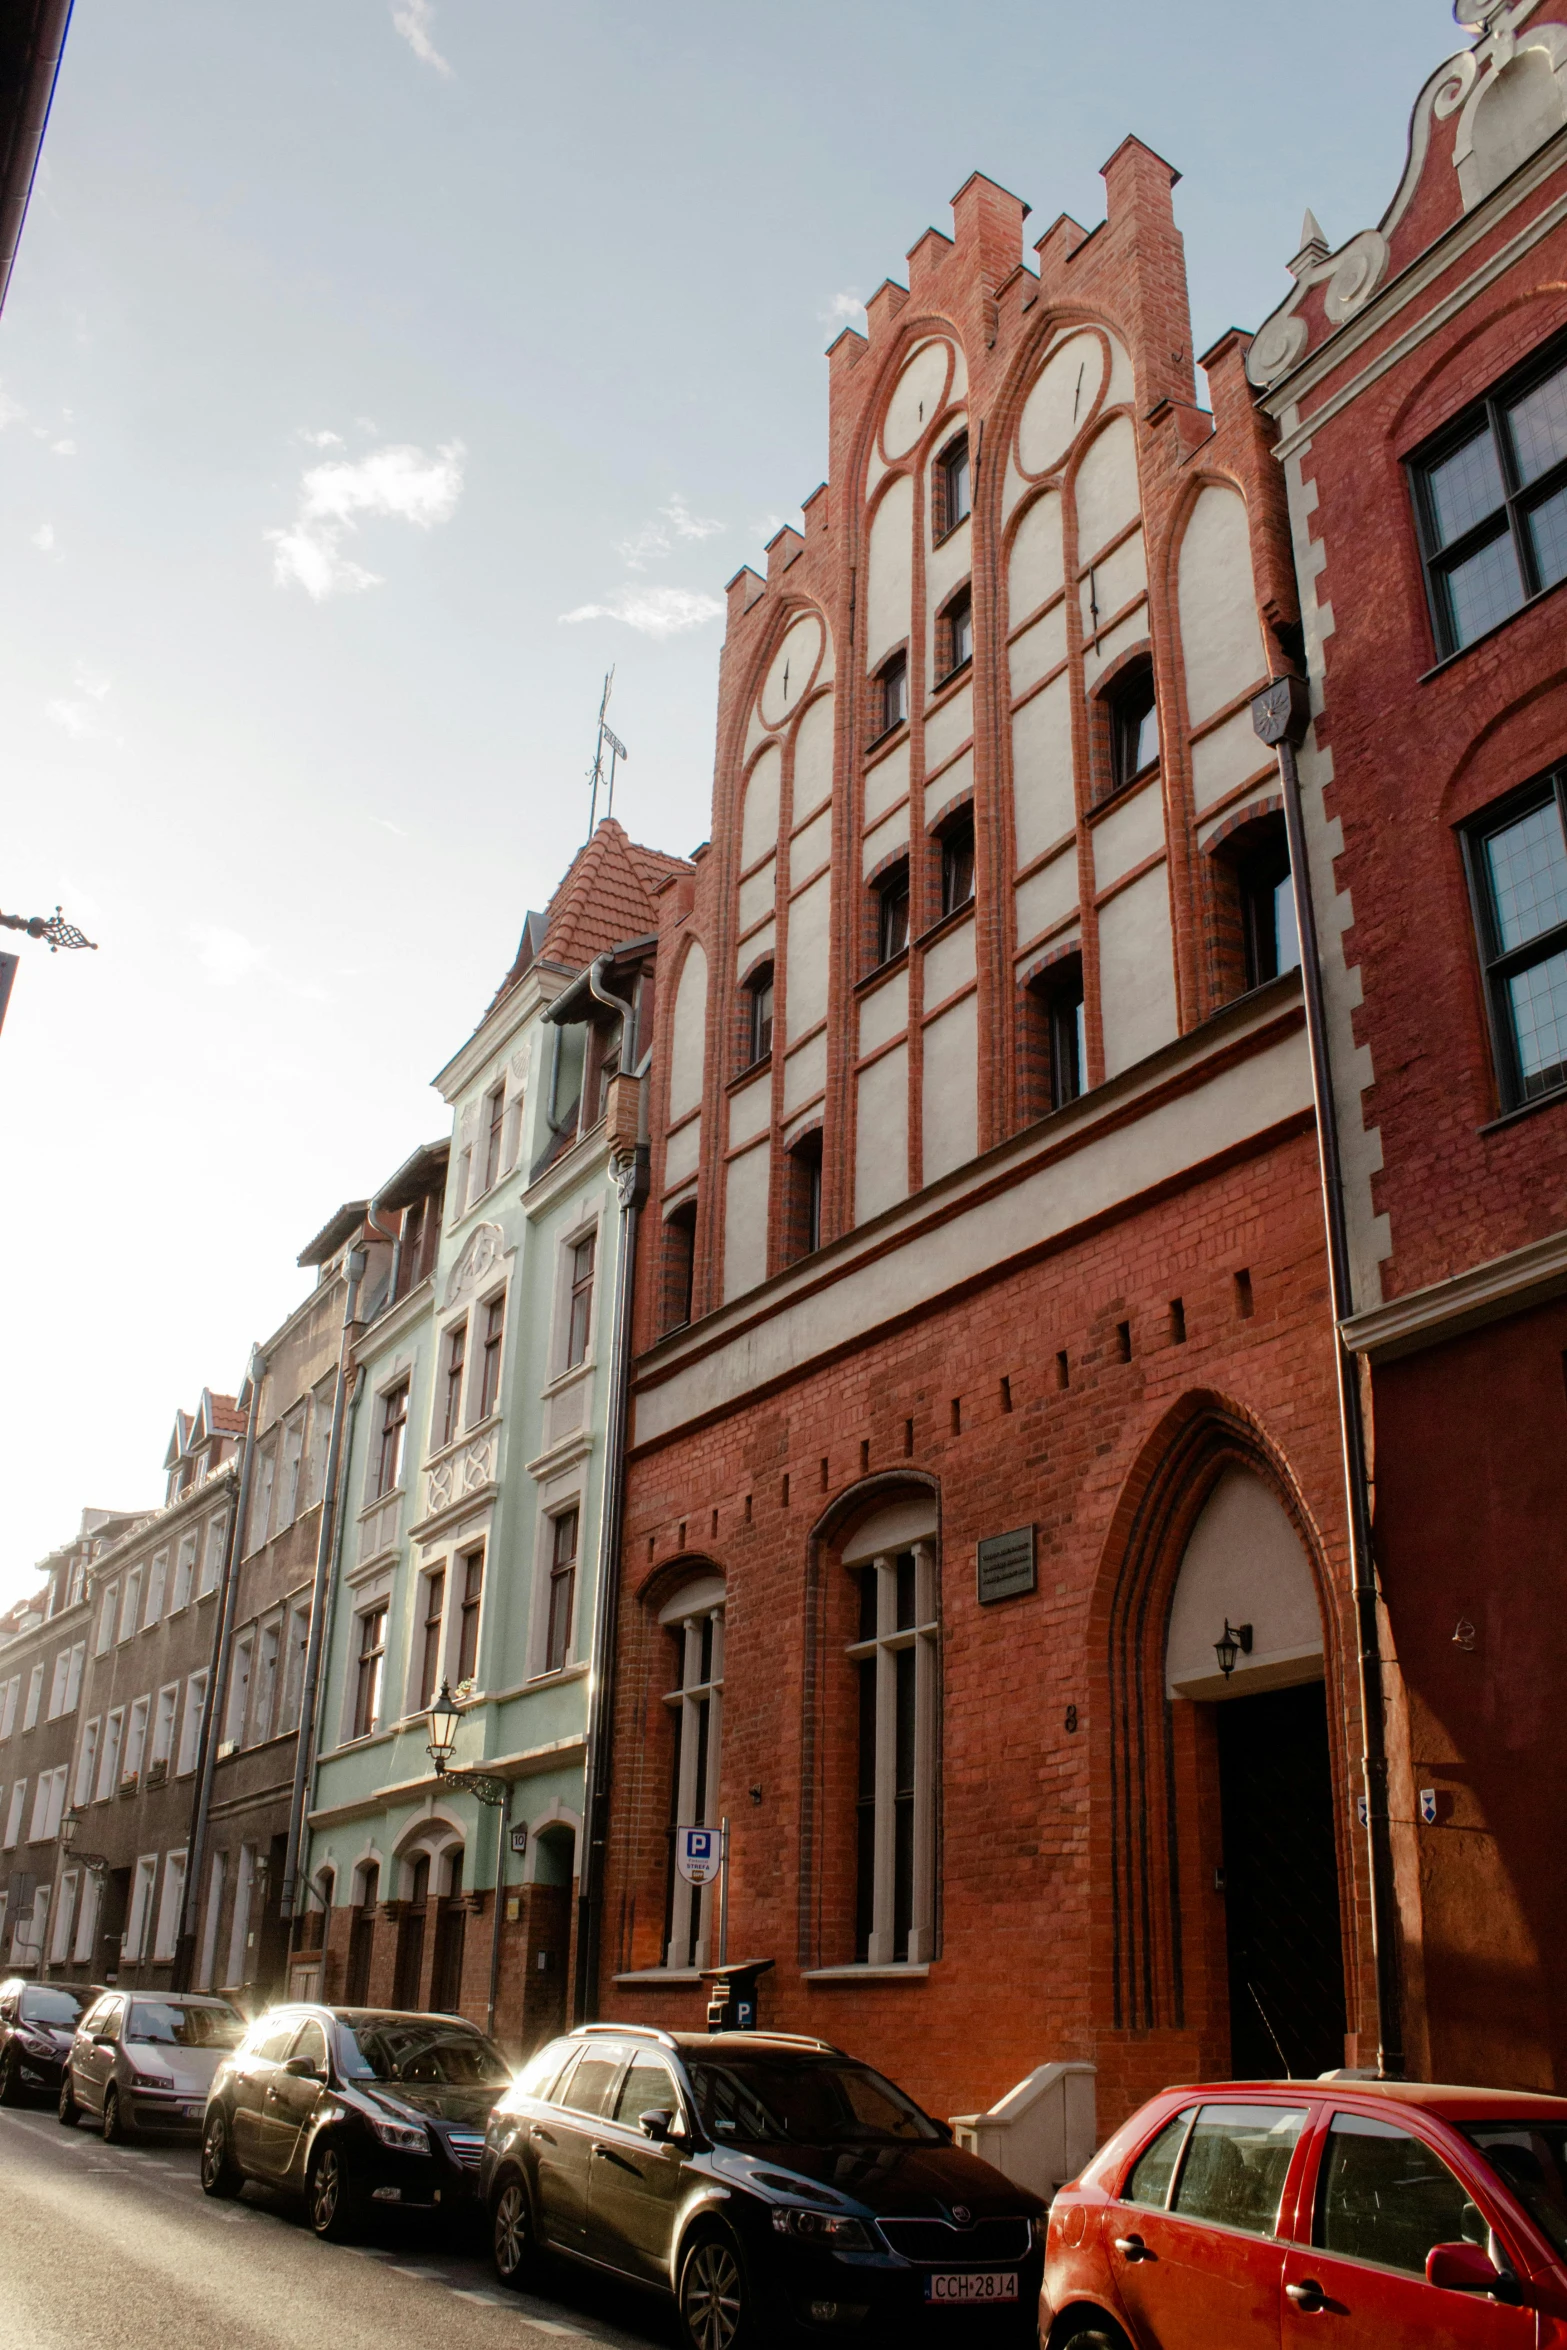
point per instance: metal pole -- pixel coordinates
(304, 1748)
(723, 1892)
(1281, 716)
(217, 1692)
(502, 1833)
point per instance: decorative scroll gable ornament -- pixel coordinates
(479, 1252)
(1509, 95)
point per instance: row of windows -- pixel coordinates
(64, 1676)
(267, 1677)
(161, 1586)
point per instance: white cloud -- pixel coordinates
(81, 714)
(656, 611)
(671, 524)
(226, 956)
(320, 440)
(43, 537)
(412, 19)
(843, 307)
(63, 448)
(11, 411)
(396, 481)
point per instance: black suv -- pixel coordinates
(357, 2108)
(770, 2185)
(37, 2021)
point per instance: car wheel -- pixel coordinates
(10, 2086)
(69, 2111)
(1095, 2333)
(116, 2130)
(220, 2173)
(329, 2194)
(715, 2307)
(511, 2234)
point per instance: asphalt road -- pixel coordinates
(118, 2247)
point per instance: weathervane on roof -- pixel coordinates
(617, 750)
(52, 927)
(1485, 16)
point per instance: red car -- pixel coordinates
(1286, 2213)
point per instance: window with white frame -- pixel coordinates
(190, 1727)
(86, 1762)
(163, 1720)
(130, 1605)
(494, 1130)
(563, 1536)
(894, 1661)
(35, 1691)
(48, 1805)
(388, 1461)
(87, 1910)
(184, 1572)
(370, 1669)
(136, 1738)
(140, 1906)
(157, 1585)
(694, 1621)
(261, 1496)
(28, 1944)
(212, 1552)
(320, 1445)
(109, 1760)
(13, 1817)
(432, 1616)
(239, 1687)
(291, 1467)
(9, 1694)
(469, 1586)
(454, 1351)
(75, 1666)
(64, 1916)
(57, 1679)
(170, 1904)
(580, 1257)
(104, 1638)
(268, 1647)
(492, 1336)
(239, 1928)
(295, 1649)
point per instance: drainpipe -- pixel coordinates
(304, 1749)
(1281, 716)
(502, 1840)
(217, 1692)
(631, 1178)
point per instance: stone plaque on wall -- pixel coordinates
(1006, 1565)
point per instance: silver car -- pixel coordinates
(144, 2060)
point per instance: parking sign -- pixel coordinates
(697, 1854)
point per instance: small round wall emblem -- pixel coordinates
(962, 2214)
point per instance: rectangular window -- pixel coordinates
(184, 1573)
(579, 1322)
(261, 1497)
(212, 1553)
(490, 1361)
(190, 1728)
(394, 1427)
(35, 1692)
(130, 1606)
(104, 1637)
(495, 1126)
(8, 1699)
(62, 1666)
(109, 1761)
(1491, 498)
(957, 865)
(892, 914)
(952, 486)
(163, 1724)
(239, 1688)
(320, 1446)
(451, 1384)
(167, 1936)
(430, 1659)
(894, 1660)
(294, 1667)
(697, 1707)
(86, 1763)
(410, 1238)
(290, 1498)
(563, 1579)
(157, 1584)
(890, 696)
(1518, 881)
(75, 1666)
(372, 1666)
(136, 1739)
(267, 1651)
(13, 1817)
(64, 1917)
(759, 1021)
(955, 635)
(87, 1918)
(140, 1907)
(472, 1565)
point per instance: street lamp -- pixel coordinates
(70, 1829)
(1233, 1643)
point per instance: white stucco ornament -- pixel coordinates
(479, 1252)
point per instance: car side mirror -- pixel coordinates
(303, 2068)
(1466, 2268)
(946, 2131)
(659, 2126)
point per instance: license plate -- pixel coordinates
(190, 2112)
(973, 2284)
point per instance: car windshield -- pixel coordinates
(162, 2022)
(437, 2056)
(758, 2100)
(1530, 2158)
(41, 2004)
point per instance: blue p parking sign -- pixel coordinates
(698, 1852)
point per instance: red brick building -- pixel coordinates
(984, 1205)
(1418, 376)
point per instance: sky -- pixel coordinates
(374, 375)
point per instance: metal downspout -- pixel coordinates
(305, 1745)
(217, 1691)
(1282, 716)
(631, 1182)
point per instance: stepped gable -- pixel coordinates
(606, 895)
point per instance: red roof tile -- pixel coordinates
(605, 896)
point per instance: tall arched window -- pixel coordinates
(694, 1622)
(892, 1558)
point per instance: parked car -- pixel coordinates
(36, 2024)
(757, 2178)
(1251, 2211)
(143, 2060)
(355, 2108)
